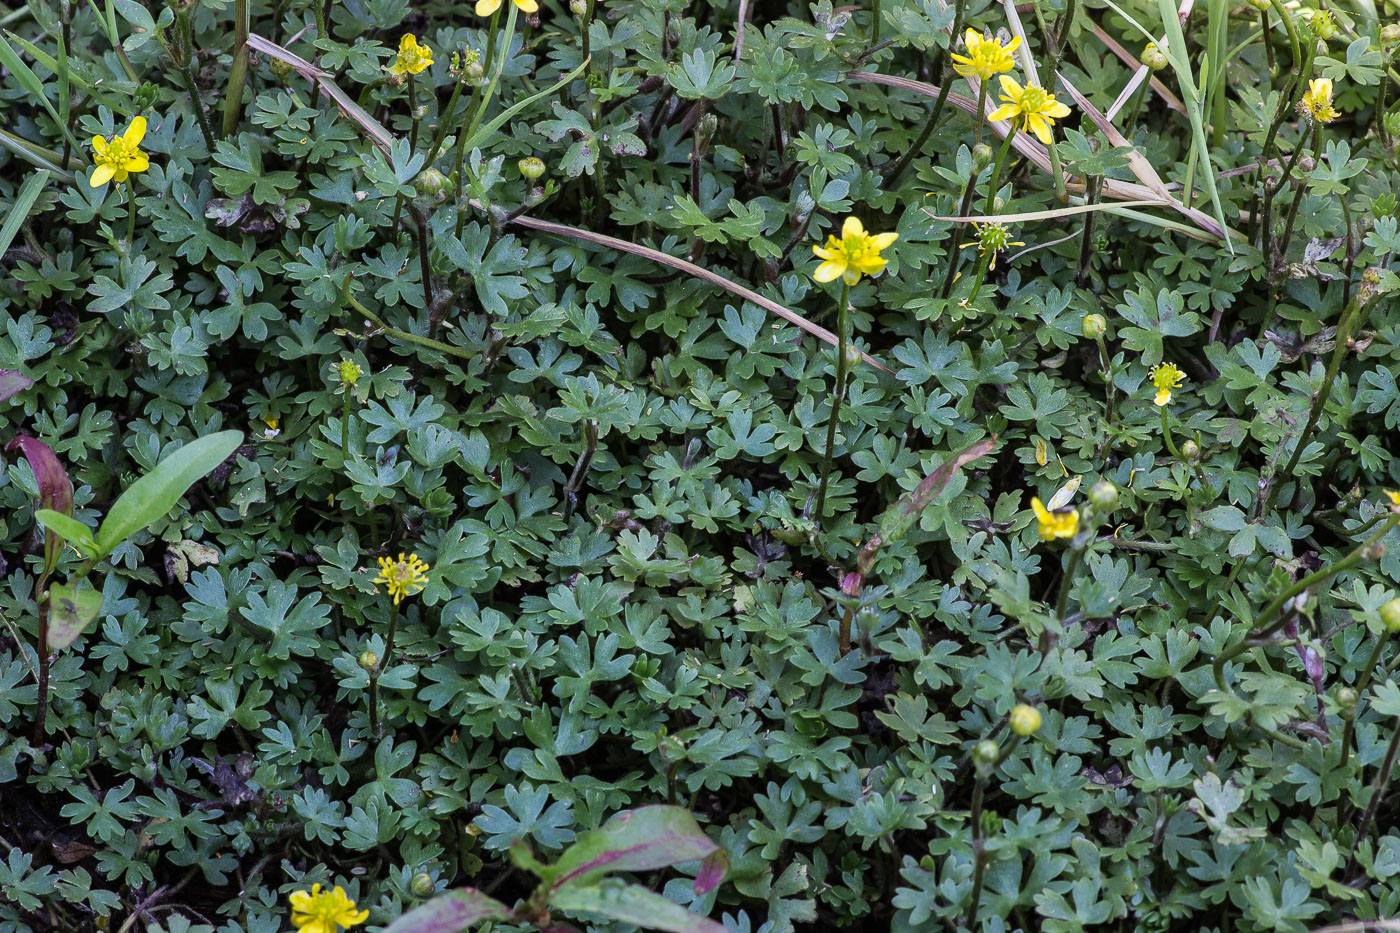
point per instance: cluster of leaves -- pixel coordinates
(607, 453)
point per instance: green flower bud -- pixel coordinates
(853, 356)
(1025, 719)
(1323, 26)
(1104, 496)
(1190, 451)
(432, 184)
(530, 168)
(1154, 58)
(981, 156)
(422, 884)
(985, 753)
(1390, 616)
(1261, 5)
(369, 661)
(474, 71)
(578, 7)
(1094, 326)
(1390, 35)
(349, 372)
(1346, 698)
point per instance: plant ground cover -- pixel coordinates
(910, 466)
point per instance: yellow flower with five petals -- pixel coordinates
(318, 911)
(1165, 376)
(985, 58)
(1036, 107)
(854, 254)
(412, 58)
(118, 157)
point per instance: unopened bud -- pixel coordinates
(705, 130)
(1190, 451)
(578, 7)
(531, 167)
(474, 72)
(1094, 326)
(1104, 496)
(1025, 719)
(853, 356)
(1323, 25)
(280, 70)
(1346, 698)
(985, 753)
(981, 156)
(1390, 616)
(422, 884)
(369, 661)
(432, 183)
(1390, 35)
(1154, 58)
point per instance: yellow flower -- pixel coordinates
(855, 254)
(1037, 108)
(992, 238)
(1165, 376)
(1316, 104)
(117, 157)
(316, 911)
(1394, 498)
(404, 577)
(985, 57)
(1025, 719)
(1063, 523)
(487, 7)
(412, 58)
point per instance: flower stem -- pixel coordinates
(186, 69)
(1264, 625)
(345, 423)
(940, 69)
(131, 212)
(238, 73)
(989, 208)
(842, 322)
(382, 666)
(1167, 436)
(1076, 555)
(1362, 683)
(979, 854)
(1378, 787)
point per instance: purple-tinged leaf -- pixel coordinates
(452, 912)
(13, 382)
(55, 489)
(631, 903)
(634, 840)
(712, 871)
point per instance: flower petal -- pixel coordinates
(829, 271)
(1057, 110)
(852, 227)
(99, 145)
(487, 7)
(101, 175)
(883, 240)
(1010, 88)
(1004, 112)
(528, 6)
(1038, 125)
(135, 133)
(137, 162)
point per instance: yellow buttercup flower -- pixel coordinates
(1316, 104)
(404, 576)
(412, 58)
(119, 156)
(992, 238)
(1063, 523)
(487, 7)
(1394, 498)
(985, 57)
(318, 911)
(1037, 108)
(855, 254)
(1165, 376)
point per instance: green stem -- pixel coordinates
(1167, 436)
(989, 208)
(397, 334)
(506, 35)
(238, 73)
(131, 211)
(939, 68)
(875, 27)
(1362, 683)
(1076, 555)
(1264, 625)
(1282, 249)
(412, 113)
(1107, 362)
(383, 665)
(842, 325)
(979, 854)
(444, 124)
(186, 69)
(345, 424)
(1349, 315)
(1378, 787)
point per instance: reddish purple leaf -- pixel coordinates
(712, 872)
(13, 382)
(55, 489)
(452, 912)
(634, 840)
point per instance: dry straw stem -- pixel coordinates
(1151, 188)
(1131, 60)
(375, 130)
(690, 268)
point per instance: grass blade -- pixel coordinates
(19, 210)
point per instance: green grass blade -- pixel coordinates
(19, 210)
(10, 59)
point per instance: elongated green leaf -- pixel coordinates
(31, 83)
(35, 154)
(69, 529)
(452, 912)
(156, 493)
(52, 64)
(631, 903)
(71, 611)
(19, 211)
(487, 131)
